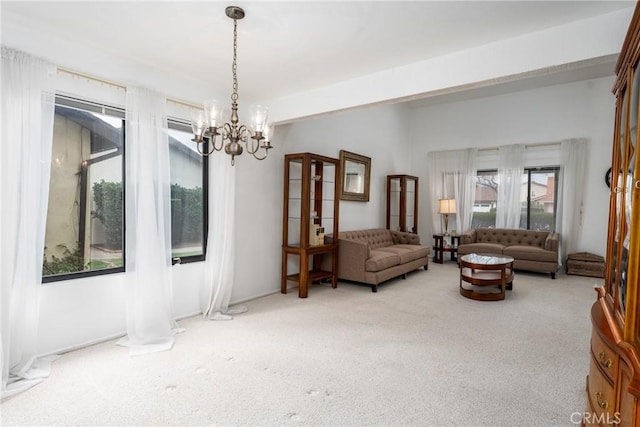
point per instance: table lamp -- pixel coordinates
(446, 207)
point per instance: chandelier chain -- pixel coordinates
(234, 66)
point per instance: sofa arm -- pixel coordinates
(352, 257)
(468, 237)
(404, 238)
(552, 242)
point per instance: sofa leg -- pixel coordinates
(426, 266)
(553, 275)
(404, 276)
(374, 288)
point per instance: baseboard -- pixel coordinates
(124, 333)
(266, 294)
(84, 345)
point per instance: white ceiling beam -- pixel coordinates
(551, 48)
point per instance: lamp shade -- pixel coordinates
(447, 206)
(213, 111)
(258, 117)
(199, 123)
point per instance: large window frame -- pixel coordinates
(70, 102)
(525, 221)
(184, 126)
(67, 101)
(550, 169)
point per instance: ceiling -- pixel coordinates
(283, 47)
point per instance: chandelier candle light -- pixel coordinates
(214, 120)
(446, 207)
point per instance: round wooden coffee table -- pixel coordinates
(490, 271)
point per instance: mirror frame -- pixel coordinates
(346, 156)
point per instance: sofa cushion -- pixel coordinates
(530, 253)
(375, 237)
(380, 260)
(481, 248)
(407, 253)
(511, 237)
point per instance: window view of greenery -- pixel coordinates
(187, 201)
(84, 218)
(537, 199)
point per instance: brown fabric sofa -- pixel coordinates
(531, 250)
(376, 255)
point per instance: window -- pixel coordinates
(85, 217)
(537, 199)
(188, 195)
(486, 196)
(84, 230)
(539, 209)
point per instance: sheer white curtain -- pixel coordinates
(452, 174)
(510, 170)
(150, 321)
(219, 264)
(573, 155)
(28, 86)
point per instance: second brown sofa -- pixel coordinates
(530, 249)
(375, 255)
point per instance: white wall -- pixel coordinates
(574, 110)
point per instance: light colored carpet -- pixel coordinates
(416, 353)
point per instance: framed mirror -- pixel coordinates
(355, 172)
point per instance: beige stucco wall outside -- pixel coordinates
(64, 186)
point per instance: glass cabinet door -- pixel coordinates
(402, 203)
(620, 242)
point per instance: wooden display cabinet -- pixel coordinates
(310, 210)
(613, 382)
(402, 203)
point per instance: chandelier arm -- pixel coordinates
(213, 139)
(255, 146)
(266, 153)
(204, 153)
(245, 136)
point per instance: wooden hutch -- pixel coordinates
(613, 383)
(402, 203)
(310, 210)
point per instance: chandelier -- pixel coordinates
(215, 120)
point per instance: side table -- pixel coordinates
(440, 248)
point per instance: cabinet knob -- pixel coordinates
(601, 403)
(603, 360)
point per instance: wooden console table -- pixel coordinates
(439, 248)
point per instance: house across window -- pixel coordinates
(84, 231)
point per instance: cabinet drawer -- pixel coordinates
(600, 393)
(604, 356)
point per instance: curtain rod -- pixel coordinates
(118, 85)
(184, 103)
(542, 144)
(88, 77)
